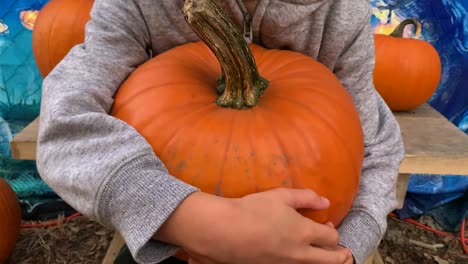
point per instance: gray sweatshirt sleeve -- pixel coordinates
(97, 163)
(364, 226)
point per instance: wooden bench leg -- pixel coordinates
(401, 188)
(375, 258)
(378, 259)
(114, 248)
(370, 259)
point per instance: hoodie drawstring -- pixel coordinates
(248, 31)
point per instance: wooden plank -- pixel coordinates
(433, 145)
(23, 145)
(425, 111)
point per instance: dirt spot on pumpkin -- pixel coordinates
(235, 148)
(285, 183)
(181, 165)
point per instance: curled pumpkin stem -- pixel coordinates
(240, 85)
(398, 32)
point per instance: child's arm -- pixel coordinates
(365, 225)
(98, 164)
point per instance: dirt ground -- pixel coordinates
(85, 242)
(77, 241)
(397, 248)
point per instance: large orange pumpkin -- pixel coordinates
(303, 132)
(59, 26)
(407, 71)
(10, 220)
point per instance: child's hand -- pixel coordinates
(258, 228)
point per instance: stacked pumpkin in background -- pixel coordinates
(58, 27)
(10, 220)
(407, 71)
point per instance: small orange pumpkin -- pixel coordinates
(10, 220)
(407, 71)
(303, 131)
(58, 27)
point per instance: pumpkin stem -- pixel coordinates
(398, 32)
(240, 84)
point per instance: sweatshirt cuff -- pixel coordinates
(360, 233)
(136, 200)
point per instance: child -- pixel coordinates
(107, 171)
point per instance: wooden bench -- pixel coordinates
(433, 145)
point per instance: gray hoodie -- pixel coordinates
(106, 170)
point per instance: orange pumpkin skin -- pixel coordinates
(407, 71)
(10, 220)
(304, 133)
(59, 26)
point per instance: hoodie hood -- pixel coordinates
(287, 12)
(283, 12)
